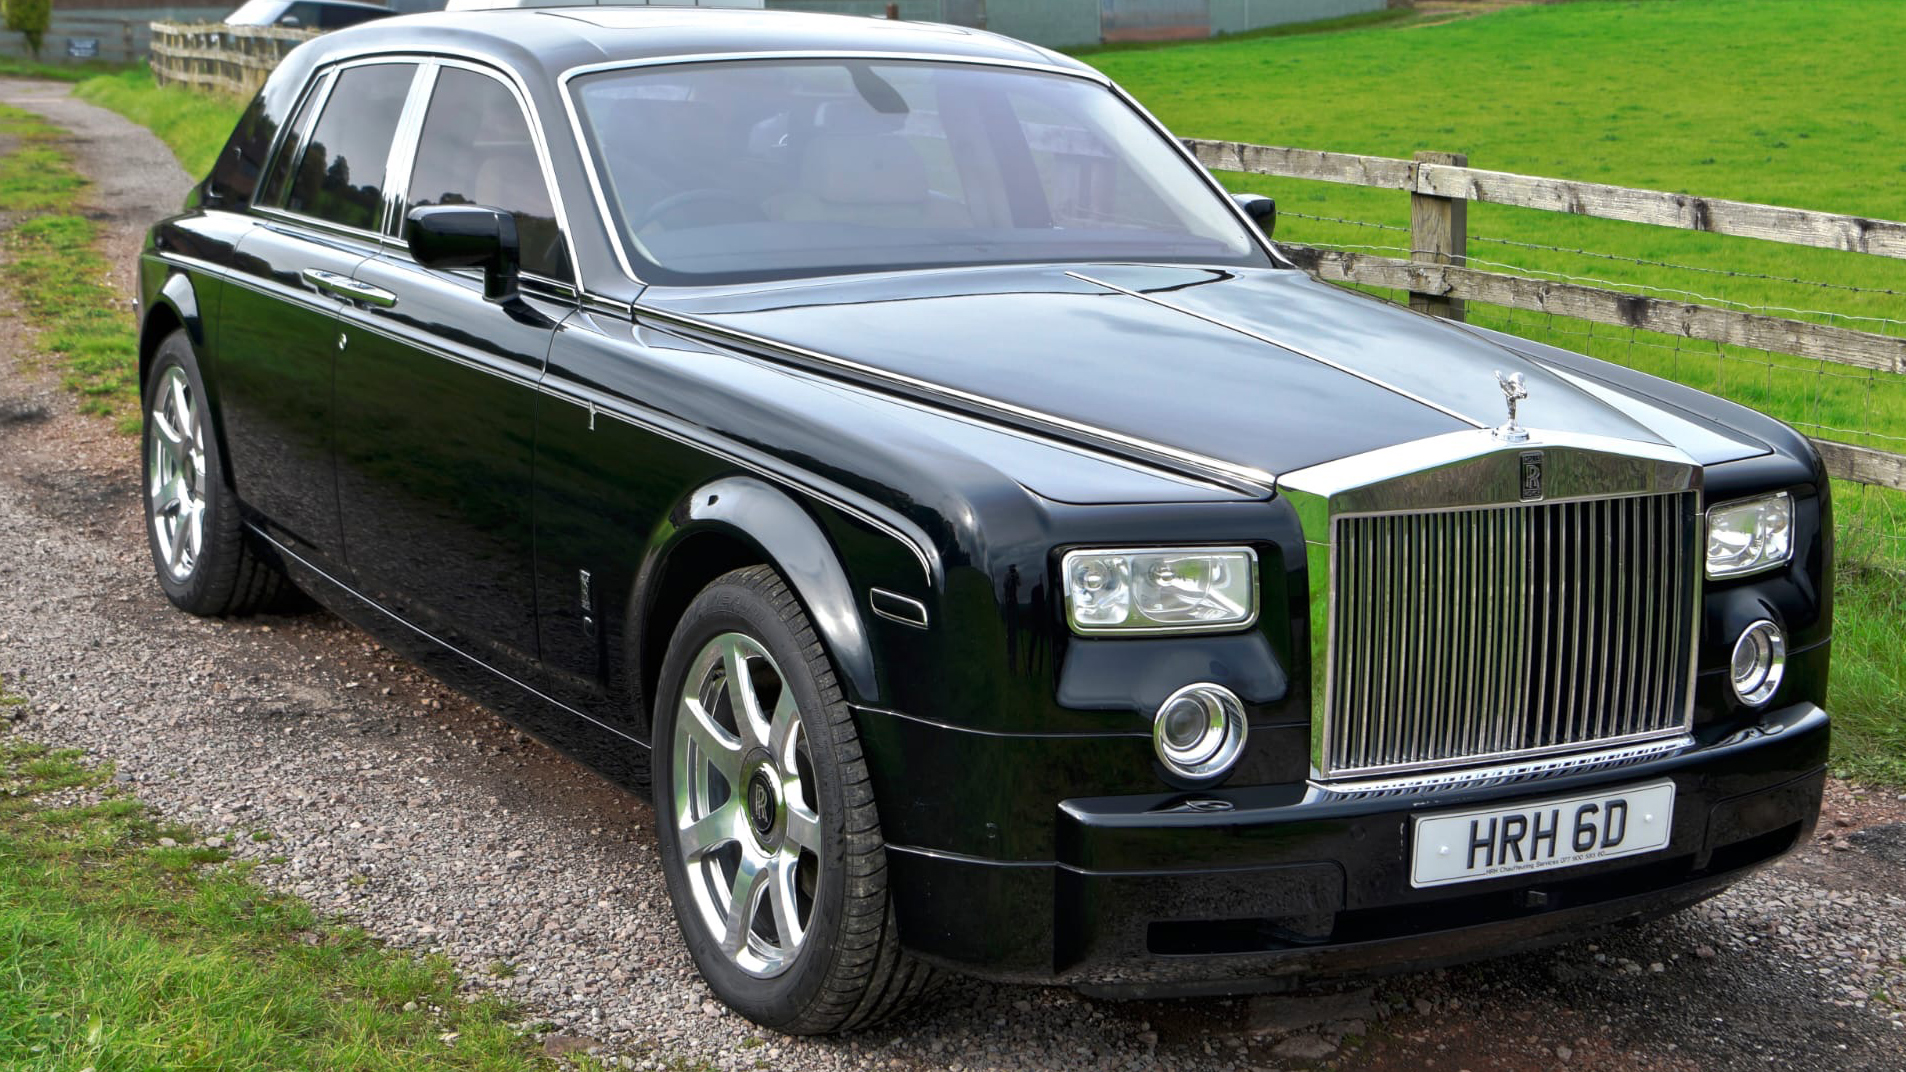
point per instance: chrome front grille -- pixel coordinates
(1464, 636)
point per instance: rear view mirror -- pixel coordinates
(468, 236)
(1261, 209)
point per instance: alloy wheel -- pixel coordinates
(744, 806)
(175, 474)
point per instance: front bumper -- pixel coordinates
(1261, 888)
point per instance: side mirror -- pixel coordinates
(1261, 209)
(468, 236)
(289, 20)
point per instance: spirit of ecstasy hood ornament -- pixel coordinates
(1513, 392)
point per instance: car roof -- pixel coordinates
(543, 43)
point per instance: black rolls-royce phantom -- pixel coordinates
(886, 441)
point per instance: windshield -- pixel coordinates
(727, 172)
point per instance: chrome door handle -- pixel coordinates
(349, 289)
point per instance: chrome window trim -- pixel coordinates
(403, 146)
(271, 215)
(317, 90)
(1251, 230)
(1358, 486)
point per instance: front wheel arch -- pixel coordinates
(739, 521)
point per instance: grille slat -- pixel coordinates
(1465, 635)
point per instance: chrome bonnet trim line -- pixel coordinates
(1508, 773)
(1288, 347)
(1228, 474)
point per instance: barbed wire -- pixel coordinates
(1687, 267)
(1283, 213)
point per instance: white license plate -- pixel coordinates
(1541, 835)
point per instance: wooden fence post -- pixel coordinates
(1439, 234)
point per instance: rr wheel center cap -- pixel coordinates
(762, 800)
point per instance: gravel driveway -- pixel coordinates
(415, 813)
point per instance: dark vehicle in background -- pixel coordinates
(307, 14)
(888, 444)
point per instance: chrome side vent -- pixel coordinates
(1466, 636)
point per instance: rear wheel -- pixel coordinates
(204, 562)
(770, 842)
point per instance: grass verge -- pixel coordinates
(127, 943)
(193, 125)
(14, 67)
(57, 274)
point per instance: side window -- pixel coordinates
(340, 175)
(235, 173)
(475, 149)
(272, 192)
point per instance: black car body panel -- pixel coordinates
(525, 494)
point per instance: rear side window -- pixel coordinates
(340, 175)
(475, 149)
(273, 190)
(235, 172)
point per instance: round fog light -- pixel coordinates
(1760, 660)
(1199, 730)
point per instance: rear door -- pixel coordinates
(321, 214)
(436, 410)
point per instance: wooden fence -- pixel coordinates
(219, 58)
(1441, 185)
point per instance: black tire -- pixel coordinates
(227, 575)
(849, 971)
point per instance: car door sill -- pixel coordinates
(433, 638)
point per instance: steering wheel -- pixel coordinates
(744, 211)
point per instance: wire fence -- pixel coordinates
(1823, 399)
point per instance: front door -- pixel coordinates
(317, 222)
(436, 393)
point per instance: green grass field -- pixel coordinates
(1757, 100)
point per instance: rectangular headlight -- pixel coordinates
(1750, 535)
(1160, 590)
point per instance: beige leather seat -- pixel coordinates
(874, 180)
